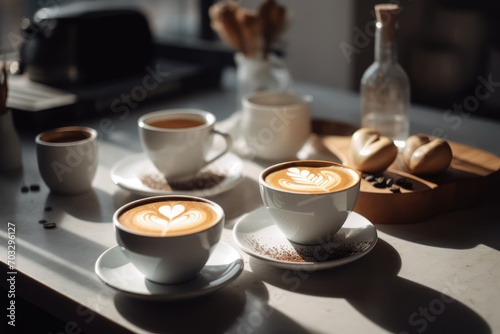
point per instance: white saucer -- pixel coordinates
(223, 266)
(128, 172)
(257, 235)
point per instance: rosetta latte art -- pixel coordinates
(304, 180)
(312, 179)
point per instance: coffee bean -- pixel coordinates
(25, 189)
(381, 182)
(48, 208)
(407, 185)
(49, 225)
(395, 190)
(34, 187)
(42, 221)
(379, 185)
(400, 181)
(370, 178)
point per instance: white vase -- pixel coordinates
(10, 146)
(257, 74)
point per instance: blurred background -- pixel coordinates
(448, 48)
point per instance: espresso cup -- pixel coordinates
(275, 124)
(67, 158)
(179, 141)
(309, 200)
(169, 238)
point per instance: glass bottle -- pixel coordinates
(385, 88)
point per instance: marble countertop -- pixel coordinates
(440, 275)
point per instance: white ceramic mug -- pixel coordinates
(67, 158)
(275, 124)
(180, 152)
(311, 200)
(163, 257)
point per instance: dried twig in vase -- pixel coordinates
(223, 21)
(251, 29)
(273, 18)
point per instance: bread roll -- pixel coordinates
(371, 152)
(425, 155)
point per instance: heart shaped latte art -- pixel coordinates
(370, 152)
(169, 218)
(425, 155)
(171, 212)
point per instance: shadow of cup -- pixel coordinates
(373, 287)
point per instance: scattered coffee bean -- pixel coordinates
(381, 182)
(25, 189)
(407, 185)
(34, 187)
(49, 225)
(400, 181)
(379, 185)
(395, 190)
(42, 221)
(364, 175)
(370, 178)
(48, 208)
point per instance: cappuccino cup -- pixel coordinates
(179, 142)
(67, 158)
(309, 200)
(169, 238)
(274, 124)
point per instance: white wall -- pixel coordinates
(313, 41)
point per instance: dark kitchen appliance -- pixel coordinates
(86, 58)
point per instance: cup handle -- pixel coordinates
(229, 143)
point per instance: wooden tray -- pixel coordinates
(472, 178)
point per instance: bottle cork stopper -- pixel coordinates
(387, 17)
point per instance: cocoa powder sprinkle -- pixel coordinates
(203, 180)
(305, 253)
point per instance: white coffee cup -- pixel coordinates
(275, 124)
(309, 200)
(160, 236)
(67, 158)
(179, 150)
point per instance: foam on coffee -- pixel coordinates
(170, 218)
(312, 179)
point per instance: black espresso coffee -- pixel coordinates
(65, 136)
(177, 123)
(170, 218)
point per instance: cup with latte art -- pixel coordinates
(169, 238)
(309, 200)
